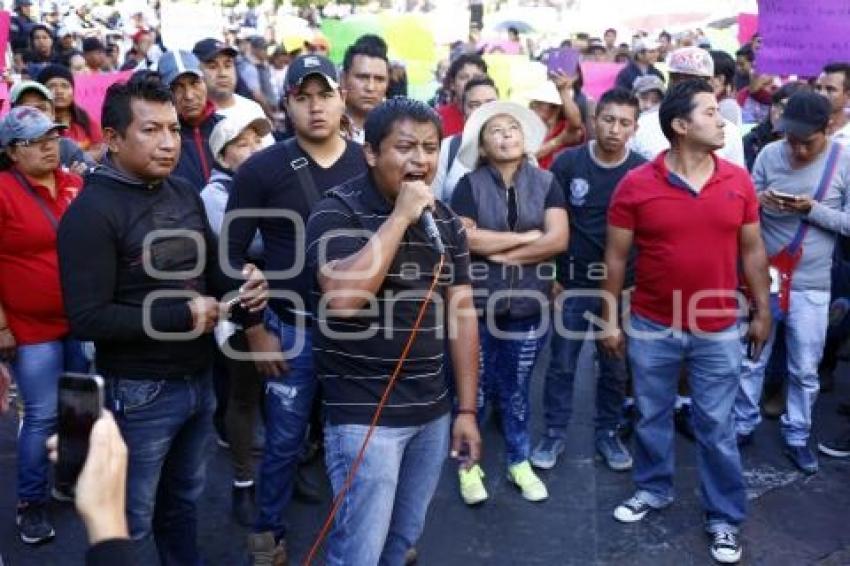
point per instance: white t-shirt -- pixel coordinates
(242, 107)
(649, 140)
(447, 177)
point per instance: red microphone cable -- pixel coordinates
(384, 398)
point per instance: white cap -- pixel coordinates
(694, 61)
(228, 129)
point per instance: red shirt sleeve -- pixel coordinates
(751, 201)
(621, 212)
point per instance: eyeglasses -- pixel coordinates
(42, 143)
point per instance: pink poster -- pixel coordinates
(748, 25)
(4, 98)
(599, 77)
(5, 20)
(90, 90)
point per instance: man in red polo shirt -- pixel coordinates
(692, 217)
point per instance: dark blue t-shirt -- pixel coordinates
(589, 186)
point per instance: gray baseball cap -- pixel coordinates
(25, 123)
(175, 63)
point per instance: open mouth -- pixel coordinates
(414, 177)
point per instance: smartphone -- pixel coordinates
(783, 196)
(563, 60)
(80, 405)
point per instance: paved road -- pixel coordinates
(793, 520)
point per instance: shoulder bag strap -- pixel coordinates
(302, 172)
(825, 182)
(22, 180)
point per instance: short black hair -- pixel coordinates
(382, 118)
(843, 68)
(43, 28)
(747, 53)
(476, 82)
(619, 96)
(610, 30)
(142, 85)
(368, 46)
(724, 66)
(463, 60)
(513, 30)
(788, 90)
(679, 103)
(666, 35)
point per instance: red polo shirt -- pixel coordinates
(687, 242)
(29, 268)
(452, 119)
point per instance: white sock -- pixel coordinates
(243, 484)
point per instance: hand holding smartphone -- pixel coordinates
(783, 196)
(80, 405)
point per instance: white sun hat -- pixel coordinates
(532, 126)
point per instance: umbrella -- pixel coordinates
(521, 27)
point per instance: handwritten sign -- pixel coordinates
(748, 25)
(5, 21)
(90, 90)
(799, 37)
(599, 77)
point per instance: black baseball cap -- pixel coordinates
(209, 48)
(307, 65)
(806, 112)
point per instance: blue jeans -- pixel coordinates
(713, 362)
(504, 372)
(383, 513)
(288, 403)
(167, 426)
(36, 370)
(805, 335)
(560, 376)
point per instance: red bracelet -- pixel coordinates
(472, 412)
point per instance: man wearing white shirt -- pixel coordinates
(218, 63)
(834, 83)
(685, 63)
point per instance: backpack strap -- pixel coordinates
(454, 147)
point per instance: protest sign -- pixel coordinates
(599, 77)
(90, 90)
(5, 20)
(748, 25)
(800, 36)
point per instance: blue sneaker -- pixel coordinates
(545, 454)
(611, 448)
(804, 458)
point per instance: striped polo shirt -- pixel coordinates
(354, 357)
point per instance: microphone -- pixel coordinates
(426, 221)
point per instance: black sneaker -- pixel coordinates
(838, 447)
(243, 507)
(804, 458)
(725, 547)
(33, 525)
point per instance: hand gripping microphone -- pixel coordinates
(426, 221)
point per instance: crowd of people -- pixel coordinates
(259, 248)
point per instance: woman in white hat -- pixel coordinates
(516, 222)
(563, 108)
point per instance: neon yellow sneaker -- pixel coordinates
(471, 487)
(533, 489)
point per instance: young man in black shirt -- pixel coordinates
(274, 192)
(589, 174)
(140, 277)
(373, 265)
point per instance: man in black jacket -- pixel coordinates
(140, 277)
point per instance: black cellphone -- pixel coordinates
(80, 405)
